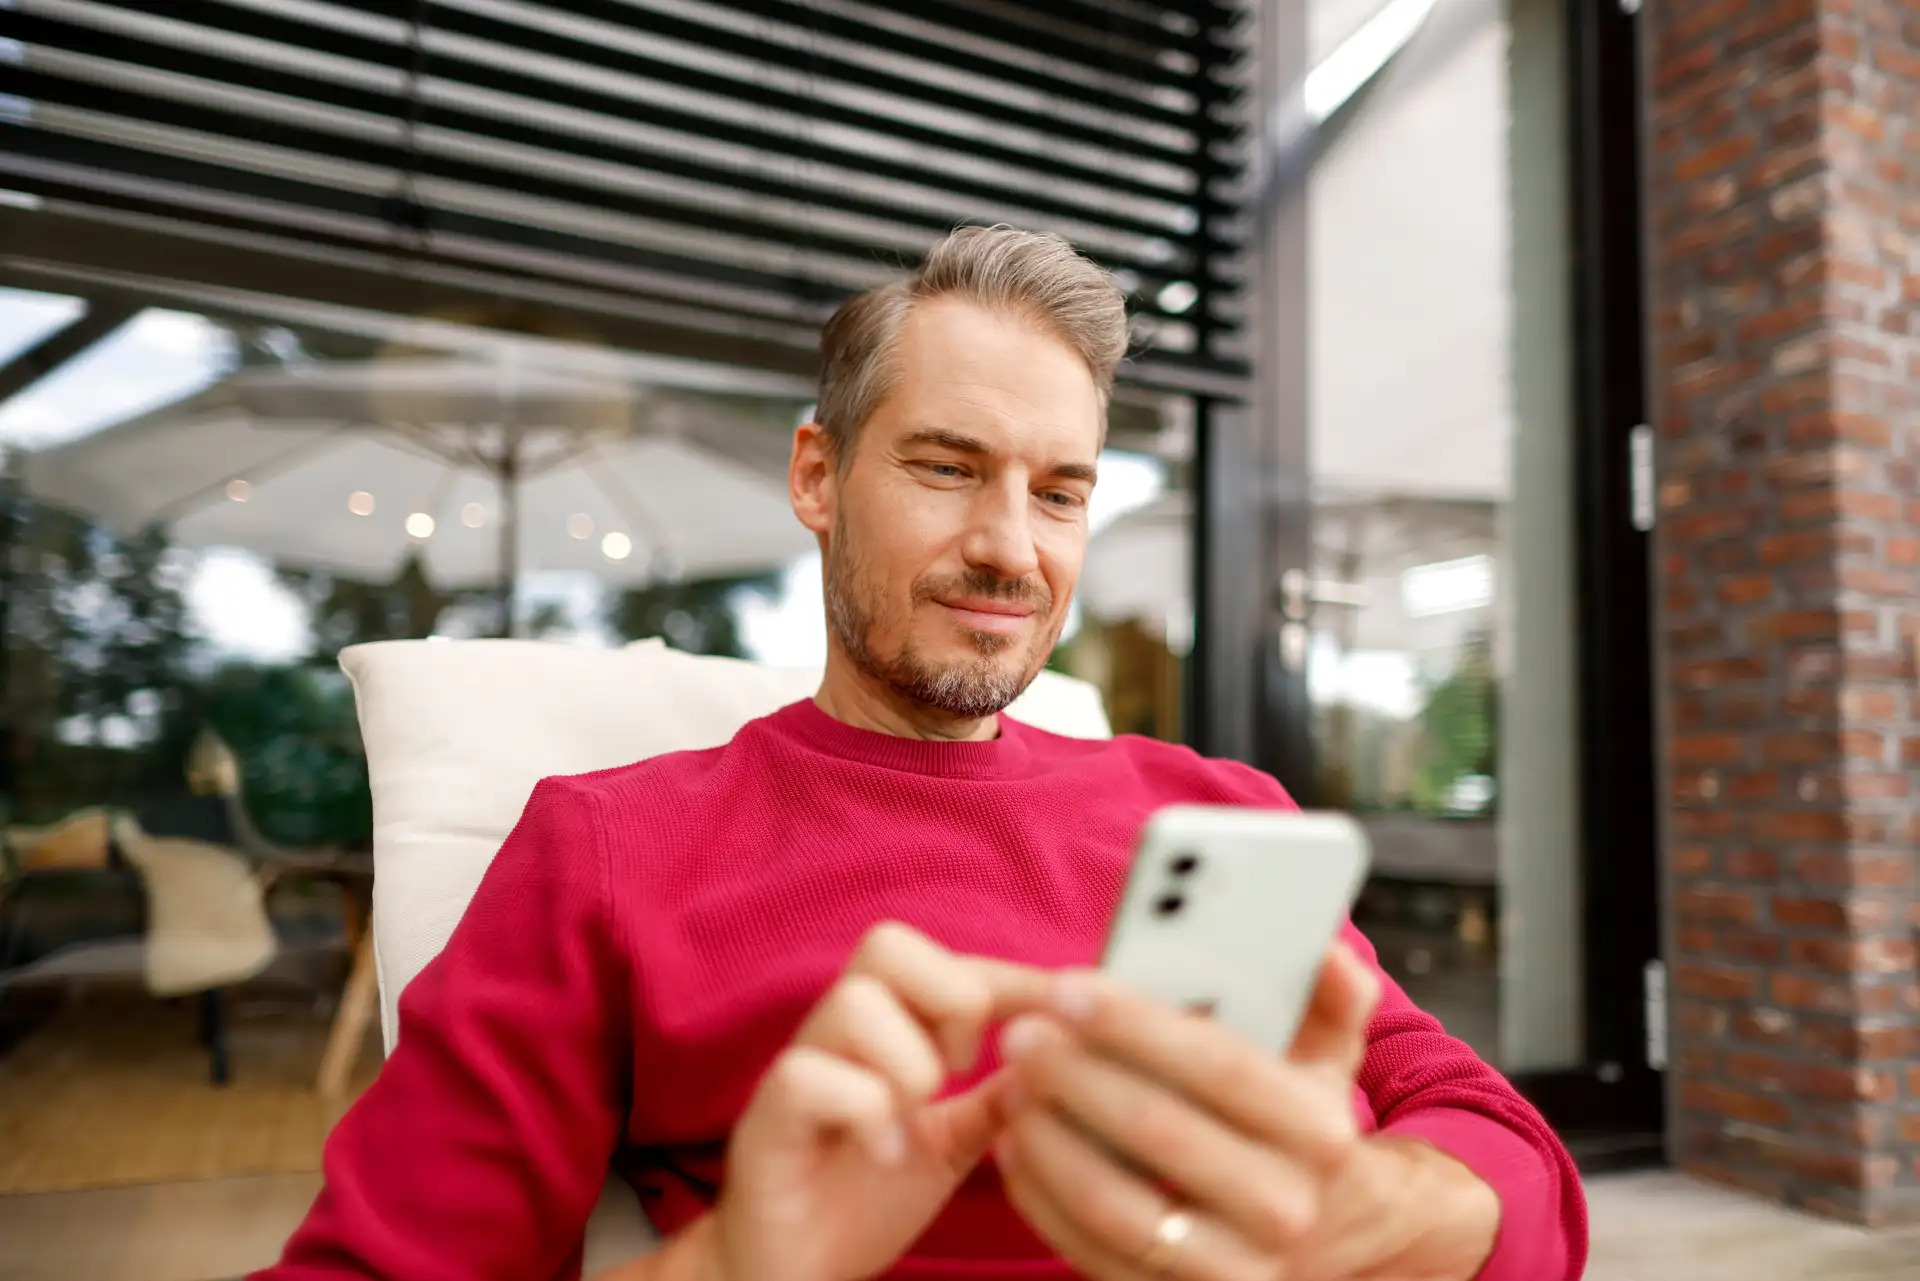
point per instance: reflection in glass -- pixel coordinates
(1437, 432)
(196, 515)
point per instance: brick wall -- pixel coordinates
(1784, 246)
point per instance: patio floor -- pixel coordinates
(1651, 1227)
(1663, 1227)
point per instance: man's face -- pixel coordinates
(956, 529)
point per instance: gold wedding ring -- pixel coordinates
(1169, 1236)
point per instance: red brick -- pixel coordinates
(1738, 1105)
(1799, 746)
(1702, 824)
(1844, 1169)
(1748, 947)
(1707, 749)
(1862, 745)
(1696, 940)
(1874, 787)
(1690, 860)
(1870, 704)
(1800, 825)
(1718, 905)
(1753, 865)
(1761, 1072)
(1866, 915)
(1781, 320)
(1795, 625)
(1803, 545)
(1874, 870)
(1827, 1081)
(1891, 57)
(1700, 1018)
(1765, 1027)
(1718, 982)
(1749, 589)
(1864, 429)
(1799, 992)
(1755, 786)
(1805, 912)
(1854, 956)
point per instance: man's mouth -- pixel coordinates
(997, 617)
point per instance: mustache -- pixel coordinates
(984, 584)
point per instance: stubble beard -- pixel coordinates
(968, 689)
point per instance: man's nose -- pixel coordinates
(1000, 537)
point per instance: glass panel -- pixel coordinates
(1440, 670)
(196, 514)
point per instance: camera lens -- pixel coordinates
(1184, 864)
(1168, 904)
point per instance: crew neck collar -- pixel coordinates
(991, 758)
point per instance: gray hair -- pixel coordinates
(1038, 277)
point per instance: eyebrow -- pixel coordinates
(960, 443)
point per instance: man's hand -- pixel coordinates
(843, 1157)
(1148, 1142)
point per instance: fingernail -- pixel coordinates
(888, 1145)
(1073, 995)
(1020, 1039)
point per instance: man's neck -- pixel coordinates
(854, 698)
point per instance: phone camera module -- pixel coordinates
(1184, 864)
(1168, 905)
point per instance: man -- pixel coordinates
(655, 972)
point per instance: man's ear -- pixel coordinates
(812, 478)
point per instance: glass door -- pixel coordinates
(1441, 670)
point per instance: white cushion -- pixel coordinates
(458, 732)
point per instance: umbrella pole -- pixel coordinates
(509, 538)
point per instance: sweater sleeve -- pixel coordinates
(1424, 1084)
(480, 1150)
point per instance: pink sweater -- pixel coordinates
(649, 937)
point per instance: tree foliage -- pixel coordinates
(700, 616)
(96, 654)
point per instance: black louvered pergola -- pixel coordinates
(696, 178)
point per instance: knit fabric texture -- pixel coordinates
(650, 937)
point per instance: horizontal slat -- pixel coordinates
(761, 157)
(936, 208)
(716, 265)
(130, 247)
(292, 128)
(1084, 202)
(309, 231)
(1143, 25)
(897, 29)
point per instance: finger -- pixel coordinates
(959, 1130)
(1266, 1197)
(1334, 1030)
(954, 996)
(1079, 1251)
(862, 1020)
(1270, 1100)
(1072, 1190)
(808, 1091)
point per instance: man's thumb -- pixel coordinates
(1335, 1028)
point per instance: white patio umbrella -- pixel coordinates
(483, 471)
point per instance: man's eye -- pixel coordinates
(1061, 498)
(949, 471)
